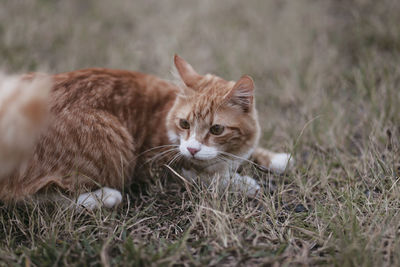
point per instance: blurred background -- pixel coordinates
(328, 69)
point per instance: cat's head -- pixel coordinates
(212, 118)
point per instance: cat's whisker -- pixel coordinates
(160, 155)
(175, 155)
(165, 157)
(164, 152)
(226, 161)
(154, 148)
(241, 158)
(175, 158)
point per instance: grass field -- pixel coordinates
(327, 76)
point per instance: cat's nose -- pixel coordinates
(192, 150)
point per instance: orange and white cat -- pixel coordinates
(105, 125)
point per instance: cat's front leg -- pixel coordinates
(277, 162)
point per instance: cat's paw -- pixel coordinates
(105, 196)
(250, 186)
(281, 162)
(246, 184)
(109, 197)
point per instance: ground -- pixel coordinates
(327, 77)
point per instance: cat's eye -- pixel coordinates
(217, 129)
(184, 124)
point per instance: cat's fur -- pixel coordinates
(105, 125)
(23, 114)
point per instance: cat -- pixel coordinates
(106, 125)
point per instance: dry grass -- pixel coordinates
(328, 81)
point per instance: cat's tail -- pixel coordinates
(23, 115)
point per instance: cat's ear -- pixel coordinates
(242, 93)
(188, 75)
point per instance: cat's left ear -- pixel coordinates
(188, 75)
(242, 93)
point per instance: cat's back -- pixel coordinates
(107, 89)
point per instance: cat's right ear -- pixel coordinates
(188, 75)
(242, 93)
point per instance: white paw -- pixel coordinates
(250, 186)
(88, 201)
(105, 196)
(280, 162)
(246, 184)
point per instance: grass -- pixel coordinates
(328, 90)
